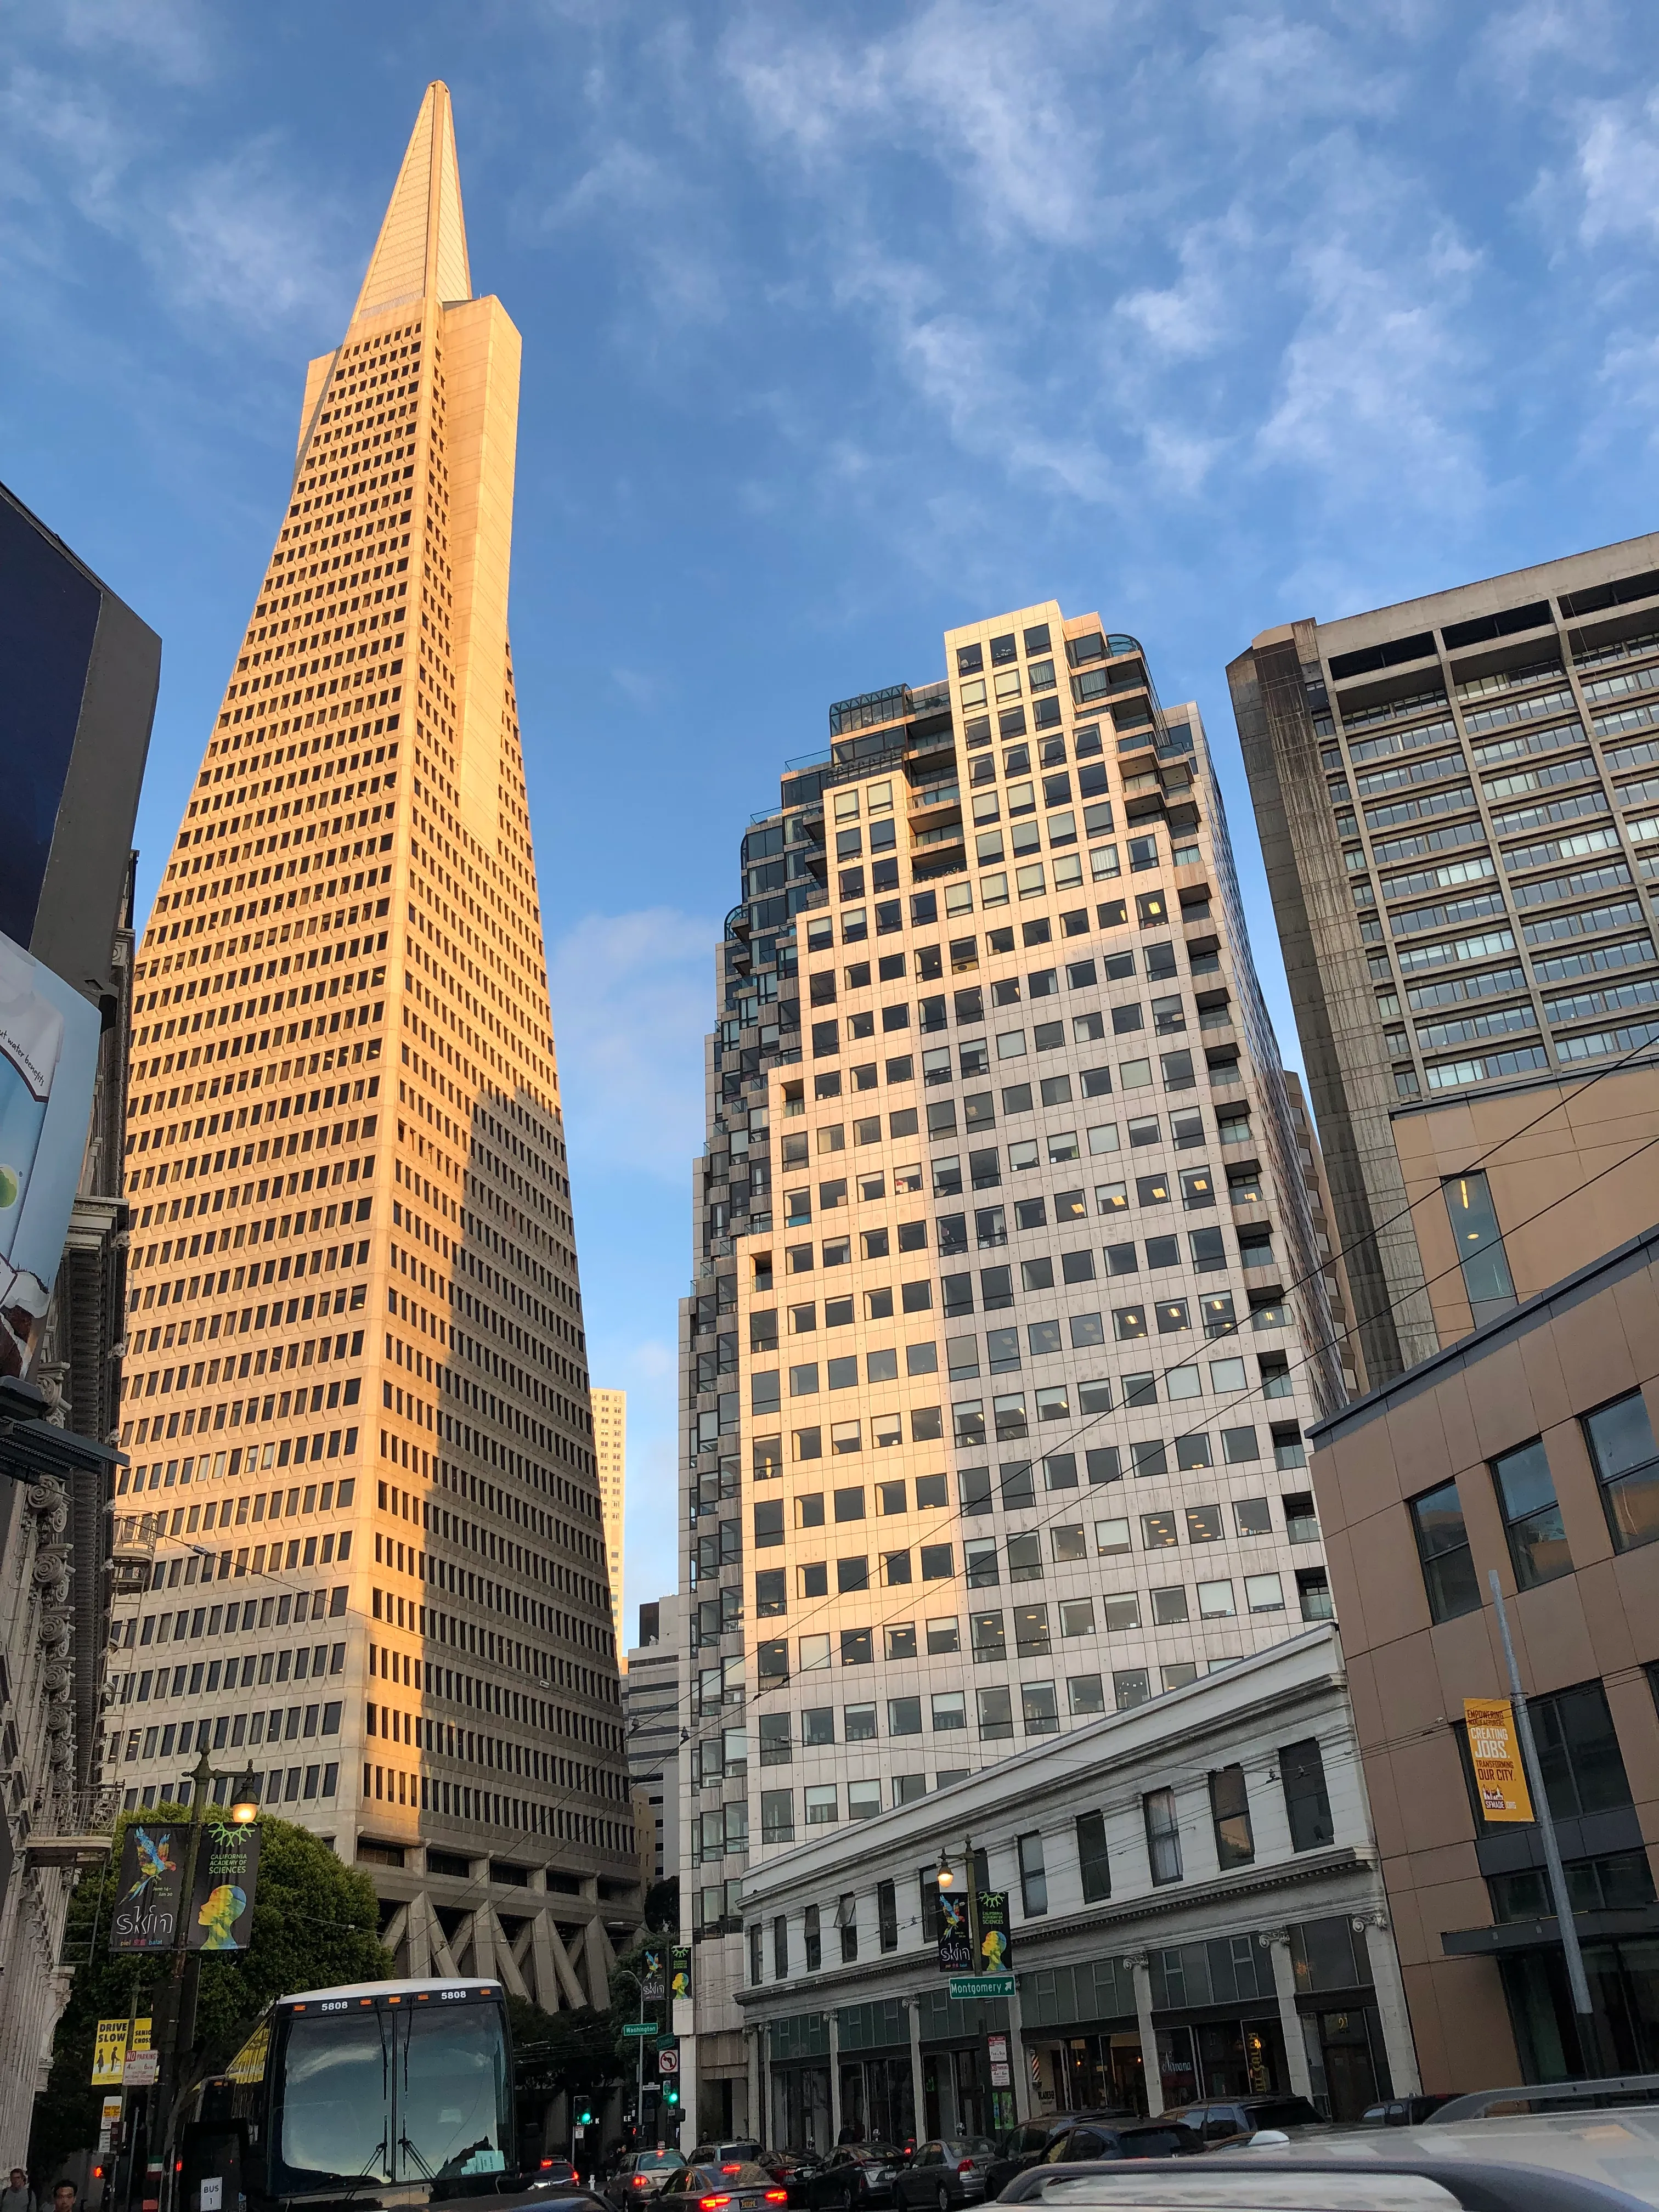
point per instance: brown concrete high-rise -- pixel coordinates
(365, 1498)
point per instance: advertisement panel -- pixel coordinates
(48, 1064)
(221, 1895)
(679, 1970)
(955, 1942)
(995, 1948)
(146, 1913)
(1495, 1754)
(651, 1980)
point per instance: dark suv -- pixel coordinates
(1031, 2141)
(1236, 2119)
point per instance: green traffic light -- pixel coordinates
(670, 2096)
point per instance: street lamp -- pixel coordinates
(177, 2027)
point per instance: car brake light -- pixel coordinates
(711, 2203)
(642, 2181)
(964, 2166)
(777, 2196)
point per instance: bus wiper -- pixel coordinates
(354, 2182)
(410, 2150)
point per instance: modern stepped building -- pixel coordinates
(1008, 1317)
(363, 1534)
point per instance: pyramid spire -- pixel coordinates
(421, 252)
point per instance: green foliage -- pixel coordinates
(662, 1907)
(315, 1924)
(578, 2051)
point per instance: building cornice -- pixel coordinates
(1049, 1935)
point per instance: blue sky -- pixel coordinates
(843, 322)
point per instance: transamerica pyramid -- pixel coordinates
(361, 1534)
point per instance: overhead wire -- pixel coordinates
(1306, 1358)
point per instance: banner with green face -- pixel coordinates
(221, 1896)
(995, 1946)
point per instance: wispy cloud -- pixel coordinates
(632, 996)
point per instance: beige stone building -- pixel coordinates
(1527, 1447)
(357, 1402)
(1460, 816)
(610, 1452)
(1008, 1320)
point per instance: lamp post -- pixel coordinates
(176, 2027)
(625, 1974)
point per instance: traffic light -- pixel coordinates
(585, 2116)
(670, 2094)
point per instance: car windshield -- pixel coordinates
(659, 2161)
(973, 2147)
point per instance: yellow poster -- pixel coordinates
(249, 2064)
(1495, 1753)
(109, 2050)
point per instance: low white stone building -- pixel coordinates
(1195, 1909)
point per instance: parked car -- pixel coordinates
(1022, 2146)
(854, 2174)
(1228, 2123)
(792, 2170)
(1144, 2139)
(1405, 2111)
(946, 2171)
(724, 2153)
(733, 2185)
(641, 2174)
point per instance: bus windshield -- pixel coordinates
(375, 2096)
(454, 2097)
(333, 2125)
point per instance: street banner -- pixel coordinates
(651, 1981)
(146, 1913)
(995, 1948)
(680, 1971)
(221, 1896)
(955, 1942)
(1495, 1754)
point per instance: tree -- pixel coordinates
(662, 1906)
(315, 1924)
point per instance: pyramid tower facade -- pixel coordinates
(364, 1490)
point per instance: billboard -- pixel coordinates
(48, 1064)
(81, 677)
(81, 672)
